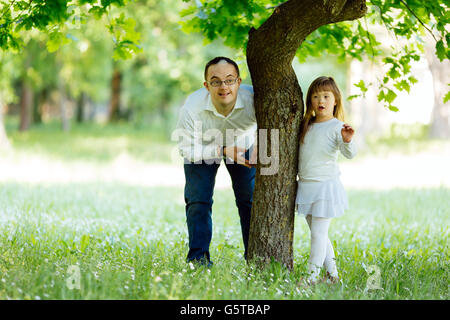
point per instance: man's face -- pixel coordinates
(223, 96)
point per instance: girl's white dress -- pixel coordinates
(320, 192)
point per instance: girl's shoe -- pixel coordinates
(307, 282)
(331, 279)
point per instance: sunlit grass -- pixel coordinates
(84, 198)
(131, 242)
(91, 142)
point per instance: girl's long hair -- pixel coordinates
(320, 84)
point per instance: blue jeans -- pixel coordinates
(198, 195)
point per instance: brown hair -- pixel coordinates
(320, 84)
(216, 60)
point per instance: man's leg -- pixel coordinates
(243, 181)
(198, 193)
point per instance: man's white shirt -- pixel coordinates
(201, 129)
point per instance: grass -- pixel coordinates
(130, 243)
(90, 142)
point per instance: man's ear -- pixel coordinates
(206, 85)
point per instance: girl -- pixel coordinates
(320, 194)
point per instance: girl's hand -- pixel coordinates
(347, 133)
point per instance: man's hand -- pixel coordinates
(253, 156)
(237, 155)
(347, 133)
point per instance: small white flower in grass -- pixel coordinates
(191, 265)
(37, 298)
(158, 279)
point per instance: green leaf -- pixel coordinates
(403, 85)
(447, 97)
(362, 86)
(393, 108)
(354, 96)
(440, 50)
(390, 96)
(56, 39)
(84, 242)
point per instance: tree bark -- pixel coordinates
(39, 99)
(65, 122)
(114, 107)
(440, 117)
(81, 103)
(279, 106)
(4, 141)
(26, 106)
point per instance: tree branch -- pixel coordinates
(292, 21)
(410, 10)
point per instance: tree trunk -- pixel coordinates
(4, 142)
(63, 105)
(26, 105)
(440, 117)
(279, 106)
(39, 100)
(81, 102)
(114, 107)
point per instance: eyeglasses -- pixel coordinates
(218, 83)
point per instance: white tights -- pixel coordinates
(322, 253)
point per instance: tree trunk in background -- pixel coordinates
(165, 116)
(440, 117)
(26, 106)
(81, 102)
(279, 107)
(4, 141)
(63, 105)
(39, 100)
(114, 106)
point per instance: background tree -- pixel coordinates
(82, 64)
(272, 33)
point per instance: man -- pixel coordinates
(218, 122)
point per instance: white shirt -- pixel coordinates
(201, 129)
(319, 152)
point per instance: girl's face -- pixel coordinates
(323, 103)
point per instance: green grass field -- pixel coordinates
(130, 241)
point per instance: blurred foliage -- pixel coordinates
(80, 43)
(168, 65)
(408, 21)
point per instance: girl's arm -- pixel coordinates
(347, 147)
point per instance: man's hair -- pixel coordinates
(216, 60)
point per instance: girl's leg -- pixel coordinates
(330, 260)
(319, 243)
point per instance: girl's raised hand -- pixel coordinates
(347, 133)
